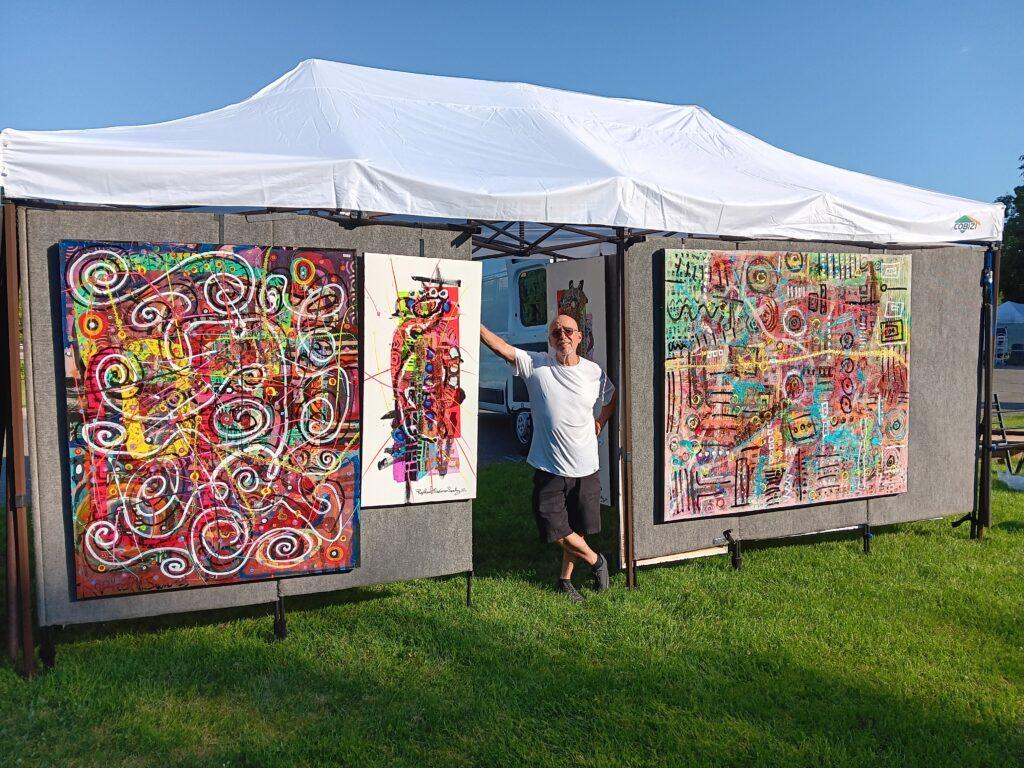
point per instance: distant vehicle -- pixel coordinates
(514, 306)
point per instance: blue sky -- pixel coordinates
(927, 93)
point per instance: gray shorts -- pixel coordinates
(563, 505)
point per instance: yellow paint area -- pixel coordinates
(136, 443)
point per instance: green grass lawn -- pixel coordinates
(813, 654)
(1011, 420)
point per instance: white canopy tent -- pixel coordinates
(340, 137)
(532, 166)
(1010, 313)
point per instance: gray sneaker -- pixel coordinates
(600, 569)
(566, 587)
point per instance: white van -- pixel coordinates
(514, 306)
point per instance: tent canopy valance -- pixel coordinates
(335, 136)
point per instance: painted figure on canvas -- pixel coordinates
(425, 377)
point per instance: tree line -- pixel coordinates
(1011, 275)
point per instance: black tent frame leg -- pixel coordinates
(868, 536)
(735, 549)
(48, 646)
(15, 492)
(990, 293)
(13, 618)
(469, 588)
(979, 418)
(280, 620)
(968, 518)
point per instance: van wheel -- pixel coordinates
(522, 429)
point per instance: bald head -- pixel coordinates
(564, 338)
(563, 321)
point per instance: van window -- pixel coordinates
(494, 307)
(533, 297)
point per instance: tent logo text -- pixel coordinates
(965, 223)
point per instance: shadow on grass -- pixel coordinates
(505, 545)
(1010, 526)
(655, 677)
(208, 618)
(854, 537)
(505, 539)
(470, 689)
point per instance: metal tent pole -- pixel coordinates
(16, 497)
(979, 410)
(626, 421)
(991, 299)
(12, 546)
(12, 569)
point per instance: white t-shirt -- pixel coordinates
(564, 400)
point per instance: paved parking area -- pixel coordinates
(1009, 385)
(495, 443)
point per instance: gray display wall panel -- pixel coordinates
(946, 304)
(652, 539)
(945, 300)
(395, 543)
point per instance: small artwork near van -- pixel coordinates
(573, 301)
(786, 379)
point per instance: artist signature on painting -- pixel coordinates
(435, 491)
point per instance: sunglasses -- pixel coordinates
(559, 331)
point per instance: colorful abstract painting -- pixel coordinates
(420, 381)
(213, 413)
(785, 379)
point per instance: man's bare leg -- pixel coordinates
(568, 561)
(577, 546)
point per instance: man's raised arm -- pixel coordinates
(498, 345)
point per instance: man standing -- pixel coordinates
(565, 392)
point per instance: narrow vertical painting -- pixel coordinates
(786, 379)
(422, 351)
(213, 413)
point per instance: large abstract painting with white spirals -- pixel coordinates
(213, 413)
(422, 352)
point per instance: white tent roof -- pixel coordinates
(337, 136)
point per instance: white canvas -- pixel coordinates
(582, 284)
(421, 356)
